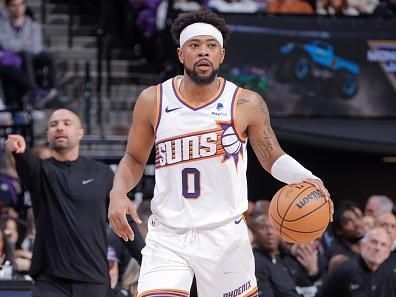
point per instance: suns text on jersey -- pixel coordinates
(203, 144)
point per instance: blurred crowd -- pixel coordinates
(356, 256)
(27, 70)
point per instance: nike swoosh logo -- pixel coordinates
(167, 109)
(238, 221)
(84, 182)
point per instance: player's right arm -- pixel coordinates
(131, 167)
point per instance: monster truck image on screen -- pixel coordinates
(317, 60)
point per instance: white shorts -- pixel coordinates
(221, 259)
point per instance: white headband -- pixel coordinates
(197, 29)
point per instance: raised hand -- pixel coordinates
(15, 143)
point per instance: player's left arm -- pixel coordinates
(254, 122)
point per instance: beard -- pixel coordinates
(61, 146)
(201, 80)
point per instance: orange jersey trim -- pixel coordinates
(252, 293)
(165, 293)
(158, 102)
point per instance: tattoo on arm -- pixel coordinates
(265, 144)
(261, 149)
(261, 107)
(242, 101)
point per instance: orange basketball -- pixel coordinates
(299, 213)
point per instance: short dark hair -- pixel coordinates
(344, 206)
(203, 16)
(8, 2)
(73, 111)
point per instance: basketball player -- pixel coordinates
(200, 124)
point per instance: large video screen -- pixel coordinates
(313, 66)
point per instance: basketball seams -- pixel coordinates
(290, 205)
(307, 214)
(297, 231)
(305, 232)
(294, 240)
(302, 239)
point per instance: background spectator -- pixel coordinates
(377, 205)
(289, 7)
(358, 276)
(28, 241)
(363, 6)
(20, 34)
(23, 255)
(388, 222)
(335, 7)
(368, 222)
(307, 264)
(22, 259)
(348, 231)
(273, 277)
(260, 207)
(16, 85)
(236, 6)
(11, 192)
(6, 251)
(115, 287)
(130, 277)
(10, 228)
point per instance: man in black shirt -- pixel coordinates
(362, 276)
(69, 197)
(273, 277)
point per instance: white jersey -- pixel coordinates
(200, 159)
